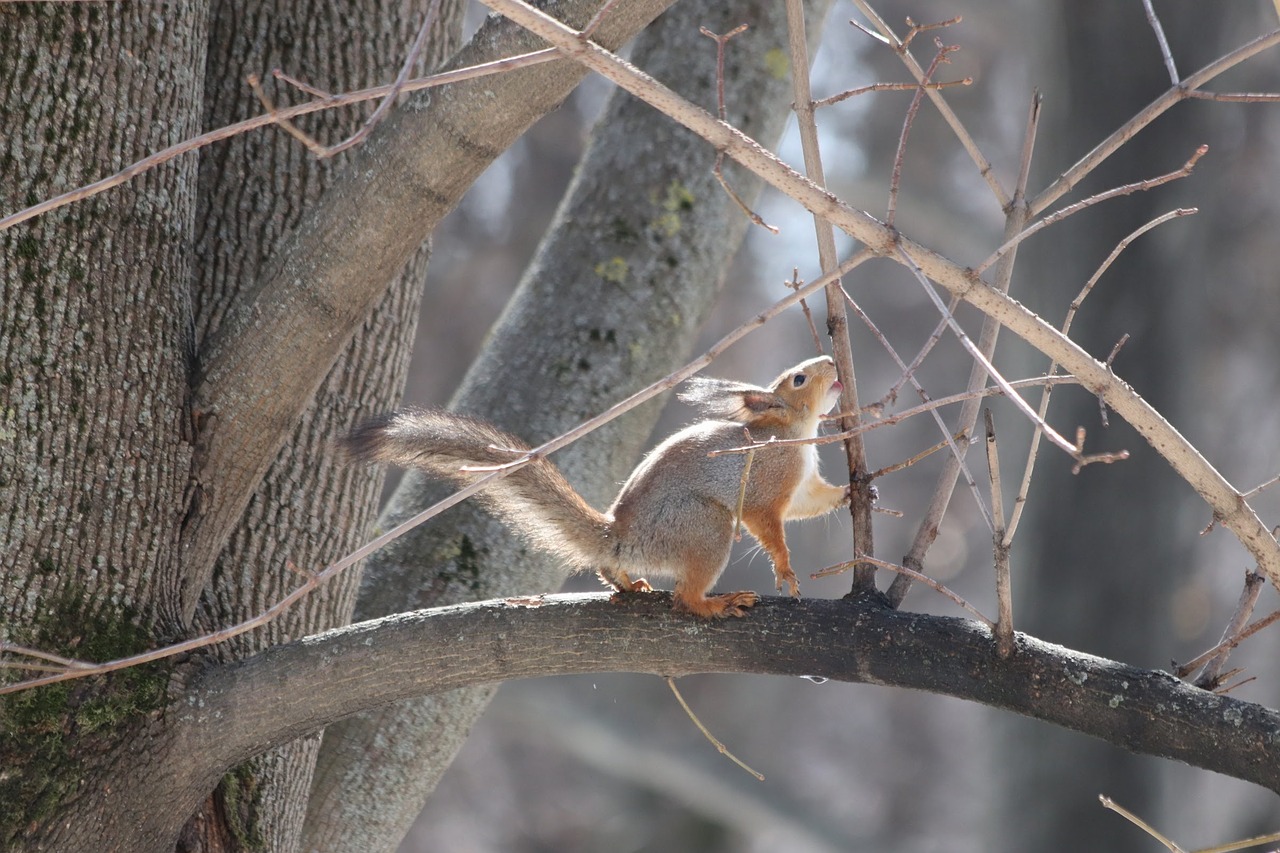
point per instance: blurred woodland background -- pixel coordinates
(1111, 563)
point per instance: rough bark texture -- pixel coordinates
(95, 348)
(254, 190)
(613, 301)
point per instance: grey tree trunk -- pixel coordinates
(253, 192)
(95, 348)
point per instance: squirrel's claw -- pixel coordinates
(789, 578)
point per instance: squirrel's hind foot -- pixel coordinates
(718, 606)
(622, 582)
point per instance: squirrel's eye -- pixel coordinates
(798, 380)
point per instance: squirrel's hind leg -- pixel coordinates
(701, 565)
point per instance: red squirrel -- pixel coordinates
(675, 515)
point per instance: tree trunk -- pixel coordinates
(309, 506)
(95, 349)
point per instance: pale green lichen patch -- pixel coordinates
(777, 63)
(613, 270)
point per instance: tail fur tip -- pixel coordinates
(366, 442)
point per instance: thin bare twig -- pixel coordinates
(908, 373)
(1127, 189)
(887, 35)
(1234, 97)
(1164, 42)
(1190, 666)
(1229, 847)
(1108, 803)
(195, 143)
(1015, 218)
(889, 87)
(1260, 488)
(308, 141)
(1110, 363)
(911, 573)
(794, 284)
(59, 660)
(1223, 691)
(1073, 450)
(912, 460)
(1209, 677)
(909, 370)
(718, 169)
(1243, 844)
(861, 500)
(914, 29)
(396, 87)
(1182, 90)
(895, 180)
(720, 747)
(280, 74)
(1000, 546)
(721, 41)
(1033, 451)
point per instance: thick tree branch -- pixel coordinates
(261, 368)
(242, 708)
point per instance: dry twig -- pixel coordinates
(1000, 546)
(895, 179)
(195, 143)
(1015, 219)
(1033, 451)
(1127, 189)
(911, 573)
(884, 33)
(720, 747)
(718, 169)
(862, 501)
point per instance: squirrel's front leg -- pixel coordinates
(766, 527)
(815, 496)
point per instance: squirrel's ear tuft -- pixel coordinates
(734, 401)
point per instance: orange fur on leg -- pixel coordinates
(767, 529)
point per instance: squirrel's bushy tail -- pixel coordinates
(536, 500)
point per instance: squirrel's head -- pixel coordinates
(799, 396)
